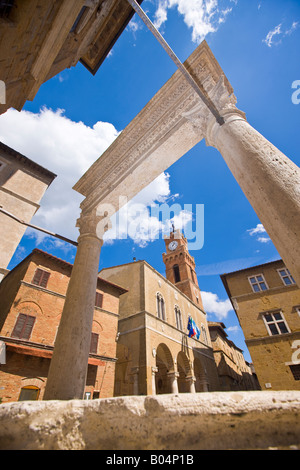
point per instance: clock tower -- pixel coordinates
(180, 266)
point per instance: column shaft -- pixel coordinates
(68, 368)
(269, 180)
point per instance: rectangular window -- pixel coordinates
(99, 300)
(23, 326)
(275, 323)
(40, 278)
(295, 369)
(258, 283)
(286, 277)
(94, 343)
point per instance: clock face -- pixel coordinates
(173, 245)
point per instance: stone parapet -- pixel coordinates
(215, 420)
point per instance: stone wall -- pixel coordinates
(219, 420)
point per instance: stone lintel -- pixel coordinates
(157, 137)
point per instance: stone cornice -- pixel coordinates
(158, 136)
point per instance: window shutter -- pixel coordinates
(28, 327)
(94, 343)
(40, 277)
(37, 277)
(23, 326)
(19, 326)
(44, 280)
(99, 300)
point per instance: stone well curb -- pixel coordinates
(215, 420)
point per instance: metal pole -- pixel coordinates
(38, 228)
(206, 100)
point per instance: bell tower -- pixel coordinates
(180, 266)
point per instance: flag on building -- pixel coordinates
(193, 329)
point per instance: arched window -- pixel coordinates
(178, 318)
(160, 304)
(176, 273)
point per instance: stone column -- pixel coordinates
(269, 180)
(191, 381)
(173, 376)
(68, 368)
(154, 372)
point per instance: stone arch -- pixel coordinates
(201, 384)
(29, 307)
(164, 365)
(184, 370)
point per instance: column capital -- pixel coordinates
(203, 121)
(173, 375)
(90, 223)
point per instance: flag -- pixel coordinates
(193, 329)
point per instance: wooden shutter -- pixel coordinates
(98, 300)
(40, 277)
(23, 326)
(94, 343)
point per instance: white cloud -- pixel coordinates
(259, 229)
(263, 239)
(212, 304)
(143, 220)
(233, 329)
(202, 16)
(277, 31)
(66, 148)
(269, 38)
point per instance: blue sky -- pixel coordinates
(75, 116)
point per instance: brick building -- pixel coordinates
(32, 297)
(266, 300)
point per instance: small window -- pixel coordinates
(29, 393)
(286, 277)
(160, 306)
(258, 283)
(40, 278)
(23, 326)
(178, 318)
(99, 300)
(275, 323)
(176, 273)
(94, 343)
(295, 369)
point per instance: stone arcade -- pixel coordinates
(169, 126)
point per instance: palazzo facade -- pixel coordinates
(154, 350)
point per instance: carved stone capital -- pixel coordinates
(92, 224)
(225, 102)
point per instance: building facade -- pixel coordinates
(40, 39)
(266, 300)
(155, 353)
(235, 373)
(22, 186)
(32, 296)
